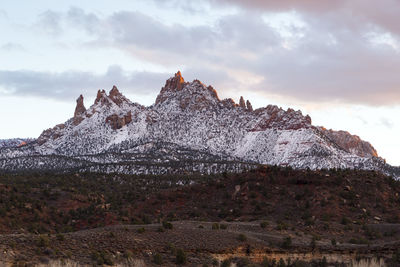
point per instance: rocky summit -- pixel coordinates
(187, 129)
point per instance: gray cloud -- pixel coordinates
(50, 22)
(70, 84)
(12, 47)
(3, 14)
(385, 122)
(331, 58)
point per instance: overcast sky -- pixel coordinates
(335, 60)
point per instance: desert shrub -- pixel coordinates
(313, 243)
(268, 263)
(60, 237)
(345, 220)
(281, 226)
(181, 256)
(141, 230)
(43, 241)
(157, 259)
(394, 260)
(263, 224)
(167, 225)
(223, 226)
(102, 257)
(287, 243)
(215, 226)
(242, 238)
(226, 263)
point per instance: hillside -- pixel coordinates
(344, 211)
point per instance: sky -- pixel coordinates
(337, 61)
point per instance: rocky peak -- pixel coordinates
(249, 106)
(116, 96)
(80, 107)
(114, 92)
(173, 84)
(100, 96)
(242, 103)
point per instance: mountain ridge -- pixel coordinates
(191, 116)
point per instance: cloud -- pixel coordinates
(50, 22)
(68, 85)
(12, 47)
(387, 123)
(3, 14)
(341, 51)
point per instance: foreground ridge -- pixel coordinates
(188, 129)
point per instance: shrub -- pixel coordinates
(141, 230)
(223, 226)
(102, 258)
(281, 226)
(60, 237)
(215, 226)
(345, 220)
(43, 241)
(287, 243)
(313, 243)
(242, 238)
(180, 256)
(263, 224)
(333, 242)
(167, 225)
(226, 263)
(157, 259)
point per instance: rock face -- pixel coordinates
(249, 106)
(241, 103)
(117, 122)
(80, 107)
(351, 143)
(188, 129)
(173, 84)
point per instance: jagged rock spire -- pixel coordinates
(242, 103)
(80, 107)
(116, 96)
(100, 94)
(173, 84)
(114, 91)
(249, 106)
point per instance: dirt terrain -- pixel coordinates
(267, 217)
(201, 242)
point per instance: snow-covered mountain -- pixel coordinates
(188, 129)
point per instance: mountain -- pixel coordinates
(188, 129)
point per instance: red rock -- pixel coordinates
(173, 84)
(242, 103)
(350, 143)
(116, 96)
(249, 106)
(117, 122)
(80, 107)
